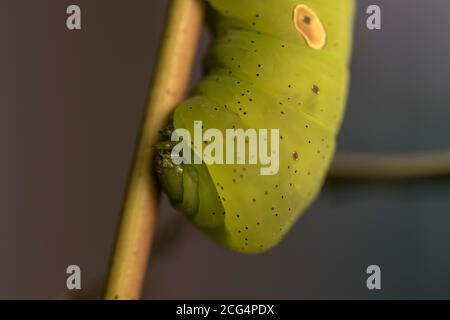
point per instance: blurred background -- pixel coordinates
(70, 108)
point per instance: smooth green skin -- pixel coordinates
(234, 204)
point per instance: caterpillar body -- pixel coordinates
(272, 64)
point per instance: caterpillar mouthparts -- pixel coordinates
(181, 182)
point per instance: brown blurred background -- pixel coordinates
(70, 108)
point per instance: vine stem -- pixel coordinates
(136, 229)
(390, 167)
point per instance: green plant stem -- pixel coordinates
(136, 229)
(390, 167)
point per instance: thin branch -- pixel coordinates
(390, 167)
(136, 229)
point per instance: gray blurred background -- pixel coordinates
(70, 109)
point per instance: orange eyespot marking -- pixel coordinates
(308, 24)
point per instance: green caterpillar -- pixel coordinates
(280, 64)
